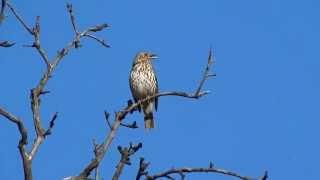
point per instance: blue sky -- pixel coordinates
(262, 113)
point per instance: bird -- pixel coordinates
(143, 83)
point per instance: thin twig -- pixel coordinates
(72, 18)
(6, 43)
(125, 158)
(64, 51)
(183, 171)
(142, 171)
(106, 116)
(35, 32)
(101, 41)
(94, 29)
(37, 44)
(73, 22)
(95, 150)
(131, 126)
(23, 141)
(206, 74)
(16, 14)
(98, 28)
(3, 6)
(18, 122)
(2, 17)
(52, 123)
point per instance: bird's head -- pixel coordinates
(144, 57)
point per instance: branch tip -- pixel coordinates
(73, 22)
(131, 126)
(6, 43)
(51, 125)
(106, 116)
(44, 92)
(125, 152)
(265, 176)
(210, 165)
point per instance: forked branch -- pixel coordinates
(35, 93)
(182, 172)
(125, 158)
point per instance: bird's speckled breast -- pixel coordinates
(142, 80)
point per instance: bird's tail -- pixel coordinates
(149, 121)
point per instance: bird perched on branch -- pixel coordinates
(143, 83)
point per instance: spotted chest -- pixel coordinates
(143, 81)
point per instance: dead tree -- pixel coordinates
(100, 150)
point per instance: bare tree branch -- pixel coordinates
(3, 6)
(39, 89)
(19, 123)
(19, 18)
(6, 44)
(125, 158)
(23, 141)
(52, 123)
(185, 170)
(95, 150)
(131, 126)
(142, 171)
(206, 73)
(102, 149)
(35, 32)
(101, 41)
(106, 116)
(73, 19)
(181, 171)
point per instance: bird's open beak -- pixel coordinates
(153, 56)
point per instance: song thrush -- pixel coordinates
(143, 83)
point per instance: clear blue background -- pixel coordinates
(262, 114)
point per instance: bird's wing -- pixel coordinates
(157, 91)
(132, 90)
